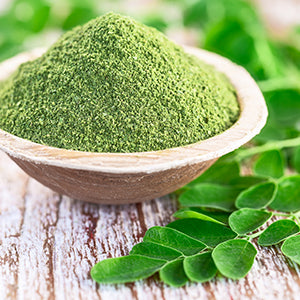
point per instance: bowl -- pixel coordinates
(119, 178)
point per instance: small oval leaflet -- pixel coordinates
(270, 164)
(174, 239)
(125, 269)
(287, 198)
(247, 220)
(277, 232)
(234, 258)
(154, 250)
(211, 196)
(209, 233)
(291, 248)
(257, 196)
(173, 273)
(198, 213)
(244, 182)
(220, 172)
(200, 267)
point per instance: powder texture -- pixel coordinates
(115, 85)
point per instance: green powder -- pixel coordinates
(115, 85)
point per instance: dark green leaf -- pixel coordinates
(244, 182)
(200, 267)
(270, 164)
(287, 198)
(155, 251)
(234, 258)
(172, 238)
(219, 172)
(173, 273)
(277, 232)
(291, 248)
(247, 220)
(198, 213)
(211, 196)
(125, 269)
(209, 233)
(257, 196)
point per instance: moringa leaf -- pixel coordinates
(200, 267)
(209, 233)
(291, 248)
(198, 213)
(244, 182)
(155, 251)
(234, 258)
(287, 198)
(270, 164)
(247, 220)
(277, 232)
(211, 196)
(173, 273)
(220, 172)
(173, 238)
(257, 196)
(125, 269)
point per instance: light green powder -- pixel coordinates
(115, 85)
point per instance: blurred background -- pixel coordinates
(261, 35)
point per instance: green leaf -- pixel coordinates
(219, 172)
(209, 233)
(173, 273)
(175, 239)
(257, 196)
(296, 159)
(211, 196)
(198, 213)
(234, 258)
(287, 198)
(155, 251)
(277, 232)
(125, 269)
(291, 248)
(284, 106)
(270, 164)
(200, 267)
(244, 182)
(247, 220)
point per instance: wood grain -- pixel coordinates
(48, 244)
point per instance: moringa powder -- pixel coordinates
(115, 85)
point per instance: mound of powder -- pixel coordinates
(116, 85)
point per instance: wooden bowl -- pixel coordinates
(119, 178)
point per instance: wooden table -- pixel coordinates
(49, 242)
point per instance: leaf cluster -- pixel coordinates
(215, 228)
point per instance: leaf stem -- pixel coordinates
(281, 214)
(244, 153)
(274, 84)
(254, 235)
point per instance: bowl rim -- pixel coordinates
(253, 116)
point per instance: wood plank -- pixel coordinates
(48, 243)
